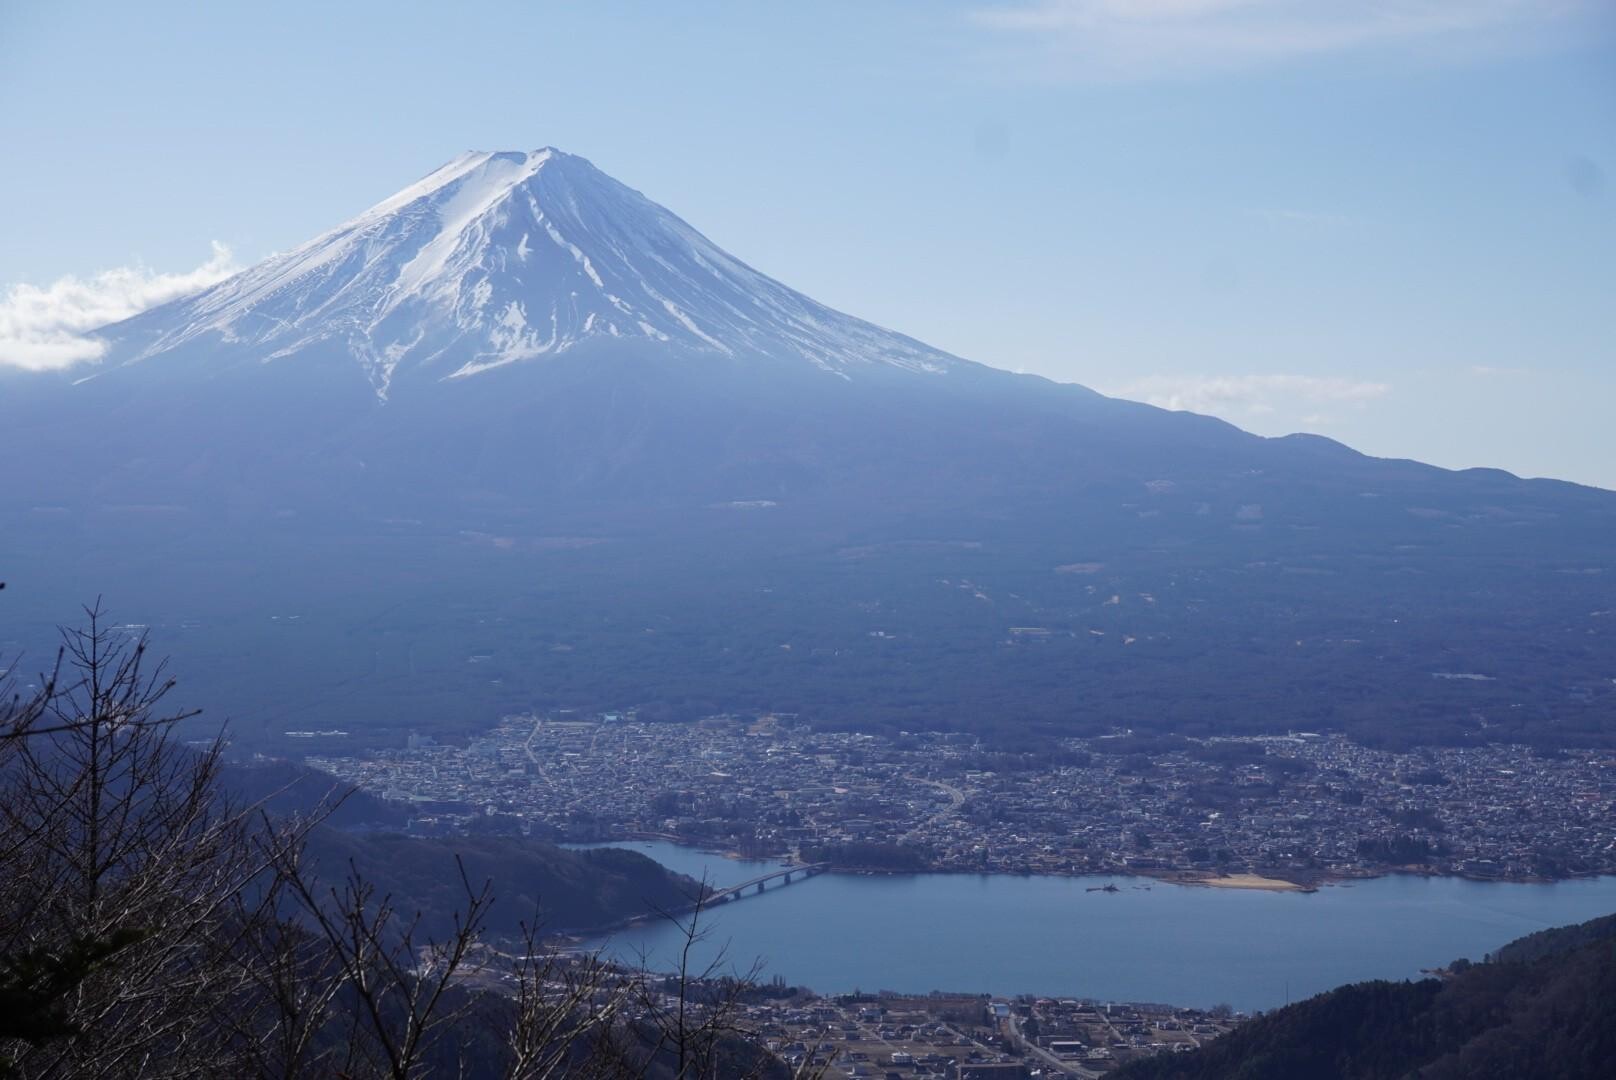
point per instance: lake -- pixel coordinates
(1150, 941)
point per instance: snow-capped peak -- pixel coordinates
(498, 258)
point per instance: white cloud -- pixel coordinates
(51, 327)
(1237, 397)
(1143, 38)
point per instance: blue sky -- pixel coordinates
(1388, 221)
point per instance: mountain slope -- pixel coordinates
(528, 880)
(566, 890)
(350, 492)
(499, 258)
(1544, 1017)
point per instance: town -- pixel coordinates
(1283, 812)
(896, 1036)
(976, 1038)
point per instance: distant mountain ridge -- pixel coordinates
(519, 438)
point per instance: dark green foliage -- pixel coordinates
(1419, 817)
(35, 985)
(569, 890)
(1397, 850)
(1426, 776)
(1561, 939)
(1546, 1015)
(869, 856)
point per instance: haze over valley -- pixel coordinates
(518, 437)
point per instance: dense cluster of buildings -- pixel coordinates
(1300, 807)
(964, 1037)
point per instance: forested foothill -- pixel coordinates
(1538, 1007)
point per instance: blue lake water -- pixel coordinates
(1047, 935)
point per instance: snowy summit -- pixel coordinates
(499, 258)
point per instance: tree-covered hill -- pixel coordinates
(568, 890)
(1541, 1008)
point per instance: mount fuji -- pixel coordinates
(500, 258)
(519, 437)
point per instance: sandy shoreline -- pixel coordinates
(1241, 881)
(1252, 881)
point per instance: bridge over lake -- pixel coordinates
(783, 875)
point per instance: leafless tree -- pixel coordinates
(690, 1023)
(151, 926)
(392, 992)
(564, 1008)
(118, 862)
(348, 987)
